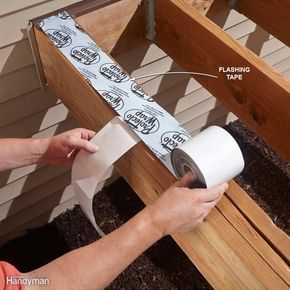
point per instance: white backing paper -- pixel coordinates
(114, 140)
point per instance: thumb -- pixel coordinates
(214, 193)
(78, 144)
(185, 181)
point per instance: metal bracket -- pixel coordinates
(36, 56)
(150, 19)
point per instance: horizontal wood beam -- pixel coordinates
(226, 256)
(273, 16)
(201, 5)
(122, 22)
(261, 99)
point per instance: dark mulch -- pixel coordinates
(164, 266)
(266, 176)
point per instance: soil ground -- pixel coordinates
(164, 266)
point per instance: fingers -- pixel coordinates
(78, 144)
(214, 193)
(187, 180)
(87, 134)
(83, 133)
(209, 205)
(181, 209)
(82, 142)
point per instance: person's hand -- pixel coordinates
(62, 149)
(180, 209)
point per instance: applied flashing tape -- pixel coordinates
(151, 122)
(213, 155)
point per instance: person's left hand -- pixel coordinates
(62, 149)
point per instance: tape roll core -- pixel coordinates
(182, 163)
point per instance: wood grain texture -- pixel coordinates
(261, 100)
(273, 16)
(226, 258)
(234, 216)
(201, 5)
(259, 219)
(122, 25)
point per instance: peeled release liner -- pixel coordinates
(213, 155)
(88, 170)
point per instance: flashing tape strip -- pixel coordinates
(156, 127)
(141, 118)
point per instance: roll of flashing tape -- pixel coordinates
(212, 155)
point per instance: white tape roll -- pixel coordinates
(213, 156)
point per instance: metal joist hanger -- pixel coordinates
(150, 19)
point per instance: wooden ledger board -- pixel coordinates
(235, 248)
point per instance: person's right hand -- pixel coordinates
(180, 209)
